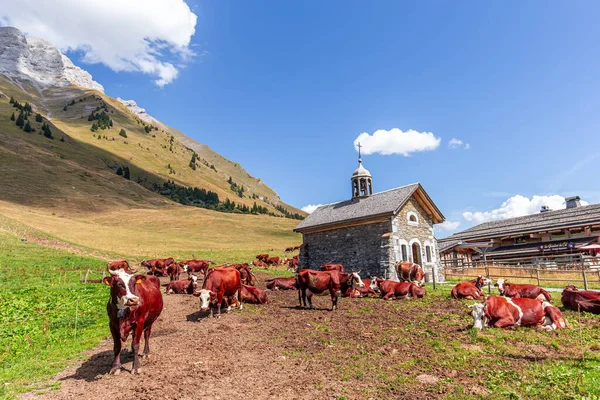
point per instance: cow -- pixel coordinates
(289, 249)
(174, 271)
(504, 312)
(258, 263)
(158, 266)
(273, 261)
(263, 258)
(252, 295)
(584, 300)
(219, 284)
(405, 290)
(135, 303)
(410, 272)
(316, 282)
(116, 265)
(368, 289)
(470, 290)
(282, 284)
(184, 286)
(332, 267)
(246, 274)
(292, 264)
(195, 266)
(525, 291)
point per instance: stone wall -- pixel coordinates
(405, 232)
(364, 247)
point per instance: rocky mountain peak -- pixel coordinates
(40, 61)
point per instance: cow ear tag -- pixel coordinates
(138, 281)
(107, 281)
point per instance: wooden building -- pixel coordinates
(561, 236)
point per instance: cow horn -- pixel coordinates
(112, 272)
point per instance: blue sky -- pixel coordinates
(285, 87)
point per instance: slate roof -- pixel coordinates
(582, 215)
(446, 243)
(378, 204)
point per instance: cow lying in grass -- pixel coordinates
(584, 300)
(524, 291)
(502, 312)
(282, 284)
(183, 286)
(470, 290)
(399, 290)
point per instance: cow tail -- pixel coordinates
(454, 293)
(547, 295)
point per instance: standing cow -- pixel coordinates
(195, 266)
(219, 284)
(316, 282)
(410, 272)
(135, 303)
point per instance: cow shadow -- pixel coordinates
(97, 366)
(306, 309)
(199, 315)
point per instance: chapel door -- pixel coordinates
(416, 253)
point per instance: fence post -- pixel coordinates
(487, 275)
(434, 273)
(537, 272)
(585, 285)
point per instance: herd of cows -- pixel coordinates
(136, 300)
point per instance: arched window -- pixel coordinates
(428, 253)
(413, 218)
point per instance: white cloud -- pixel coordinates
(396, 141)
(517, 206)
(311, 207)
(455, 143)
(151, 37)
(448, 226)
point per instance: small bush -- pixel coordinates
(123, 133)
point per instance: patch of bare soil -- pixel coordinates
(369, 348)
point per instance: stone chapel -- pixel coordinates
(371, 232)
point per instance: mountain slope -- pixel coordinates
(33, 71)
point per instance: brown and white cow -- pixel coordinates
(519, 290)
(470, 290)
(135, 303)
(584, 300)
(258, 263)
(365, 291)
(503, 312)
(317, 282)
(263, 257)
(219, 284)
(158, 266)
(174, 271)
(273, 261)
(410, 272)
(246, 274)
(332, 267)
(184, 286)
(195, 266)
(282, 284)
(403, 290)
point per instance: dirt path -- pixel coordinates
(196, 357)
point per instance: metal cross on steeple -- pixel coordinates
(359, 146)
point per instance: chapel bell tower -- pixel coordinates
(362, 182)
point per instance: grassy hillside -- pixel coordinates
(154, 152)
(68, 187)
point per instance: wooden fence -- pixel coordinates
(588, 278)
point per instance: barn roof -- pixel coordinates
(582, 215)
(361, 209)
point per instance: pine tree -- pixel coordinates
(38, 117)
(123, 133)
(120, 171)
(27, 127)
(65, 108)
(12, 100)
(126, 173)
(193, 162)
(20, 120)
(47, 132)
(12, 117)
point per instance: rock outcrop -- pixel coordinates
(39, 61)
